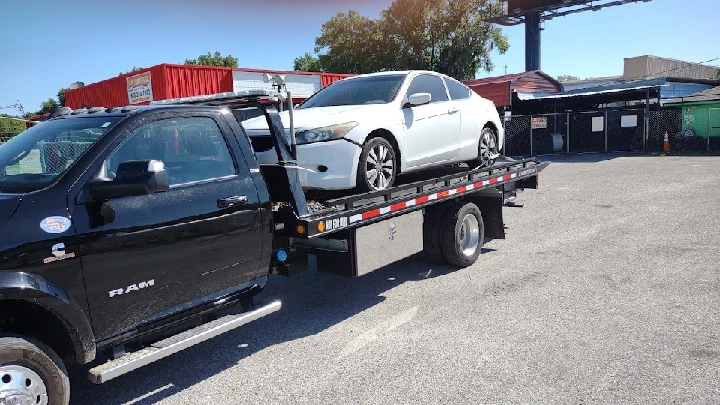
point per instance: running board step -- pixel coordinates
(173, 344)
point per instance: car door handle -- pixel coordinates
(453, 110)
(231, 201)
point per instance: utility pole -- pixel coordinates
(505, 68)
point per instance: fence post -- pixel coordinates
(605, 124)
(567, 134)
(531, 137)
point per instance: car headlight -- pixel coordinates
(325, 133)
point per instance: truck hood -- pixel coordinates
(312, 118)
(9, 204)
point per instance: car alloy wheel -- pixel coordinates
(488, 147)
(377, 165)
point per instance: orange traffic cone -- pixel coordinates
(666, 143)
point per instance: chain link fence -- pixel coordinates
(621, 130)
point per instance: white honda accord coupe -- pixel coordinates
(364, 131)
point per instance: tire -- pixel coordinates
(462, 234)
(370, 150)
(432, 222)
(25, 358)
(487, 146)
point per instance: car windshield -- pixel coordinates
(380, 89)
(36, 157)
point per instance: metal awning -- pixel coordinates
(575, 94)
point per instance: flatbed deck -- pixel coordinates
(367, 208)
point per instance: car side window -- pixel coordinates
(432, 84)
(458, 91)
(192, 149)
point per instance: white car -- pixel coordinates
(362, 132)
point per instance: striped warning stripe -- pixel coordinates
(434, 196)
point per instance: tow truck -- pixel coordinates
(129, 234)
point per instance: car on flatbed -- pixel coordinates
(129, 234)
(364, 131)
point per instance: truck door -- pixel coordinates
(153, 255)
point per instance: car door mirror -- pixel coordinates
(135, 177)
(417, 99)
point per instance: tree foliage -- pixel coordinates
(567, 78)
(717, 74)
(48, 106)
(134, 69)
(61, 96)
(215, 59)
(447, 36)
(307, 63)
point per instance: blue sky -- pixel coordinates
(47, 45)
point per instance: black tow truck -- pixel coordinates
(129, 234)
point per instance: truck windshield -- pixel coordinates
(36, 157)
(380, 89)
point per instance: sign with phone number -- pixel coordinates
(139, 88)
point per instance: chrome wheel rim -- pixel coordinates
(20, 385)
(487, 146)
(469, 235)
(379, 167)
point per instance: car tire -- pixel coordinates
(31, 369)
(432, 232)
(377, 166)
(487, 147)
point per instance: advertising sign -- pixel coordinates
(139, 88)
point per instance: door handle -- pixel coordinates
(231, 201)
(453, 110)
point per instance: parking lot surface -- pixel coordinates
(606, 290)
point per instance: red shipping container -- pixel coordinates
(171, 81)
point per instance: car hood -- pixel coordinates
(311, 118)
(9, 204)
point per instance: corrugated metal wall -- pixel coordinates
(185, 81)
(328, 78)
(498, 93)
(173, 81)
(649, 67)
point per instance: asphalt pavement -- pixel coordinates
(605, 291)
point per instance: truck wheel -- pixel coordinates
(462, 234)
(432, 222)
(31, 373)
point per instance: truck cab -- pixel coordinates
(118, 223)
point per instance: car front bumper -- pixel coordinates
(338, 158)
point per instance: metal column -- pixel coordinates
(647, 119)
(532, 41)
(567, 132)
(605, 125)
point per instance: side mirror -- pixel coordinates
(418, 99)
(135, 177)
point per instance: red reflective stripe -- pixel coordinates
(443, 194)
(422, 199)
(370, 214)
(397, 206)
(461, 189)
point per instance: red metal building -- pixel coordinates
(166, 81)
(499, 89)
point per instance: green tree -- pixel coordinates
(61, 96)
(567, 78)
(134, 69)
(717, 74)
(447, 36)
(307, 63)
(48, 106)
(214, 60)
